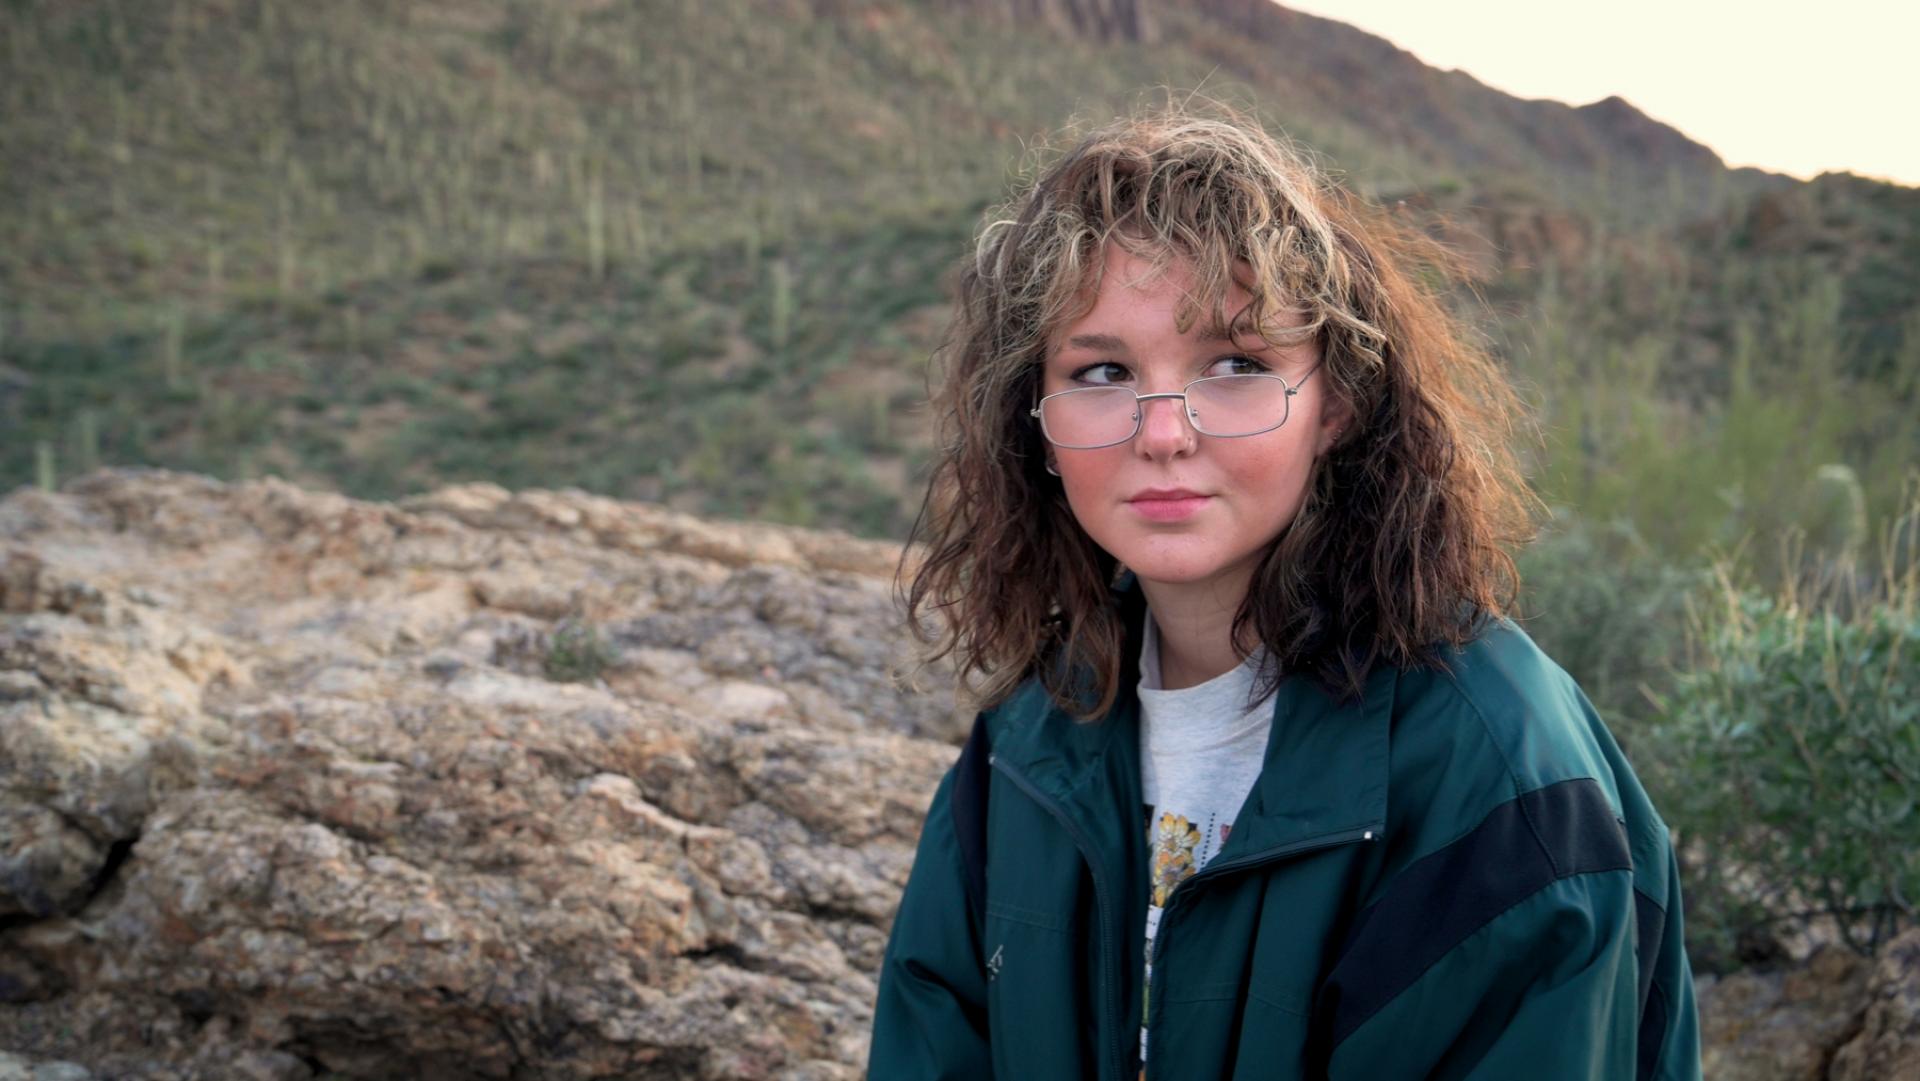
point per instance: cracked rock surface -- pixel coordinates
(478, 784)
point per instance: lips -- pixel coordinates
(1168, 504)
(1157, 494)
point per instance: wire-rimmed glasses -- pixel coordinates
(1223, 406)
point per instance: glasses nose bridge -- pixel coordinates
(1185, 410)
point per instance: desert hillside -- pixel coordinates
(693, 253)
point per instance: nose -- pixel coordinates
(1165, 431)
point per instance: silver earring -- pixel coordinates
(1050, 467)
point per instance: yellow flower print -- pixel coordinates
(1173, 846)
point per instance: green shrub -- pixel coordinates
(576, 653)
(1787, 758)
(1603, 604)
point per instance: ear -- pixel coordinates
(1335, 414)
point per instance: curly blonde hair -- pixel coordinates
(1403, 542)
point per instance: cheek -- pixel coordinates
(1088, 476)
(1271, 478)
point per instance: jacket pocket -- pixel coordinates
(1036, 1003)
(1272, 1040)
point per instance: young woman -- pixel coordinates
(1267, 784)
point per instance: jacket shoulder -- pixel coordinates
(1513, 708)
(1021, 712)
(1503, 724)
(1517, 836)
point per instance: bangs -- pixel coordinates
(1274, 314)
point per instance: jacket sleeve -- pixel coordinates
(1669, 1041)
(1548, 987)
(930, 1020)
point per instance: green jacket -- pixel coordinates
(1457, 877)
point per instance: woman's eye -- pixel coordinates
(1238, 365)
(1104, 372)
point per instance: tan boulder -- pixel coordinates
(294, 784)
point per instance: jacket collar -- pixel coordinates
(1324, 771)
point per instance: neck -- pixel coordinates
(1194, 623)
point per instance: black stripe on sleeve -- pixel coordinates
(1521, 847)
(1653, 1033)
(1650, 924)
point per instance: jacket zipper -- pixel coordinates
(1220, 869)
(1108, 967)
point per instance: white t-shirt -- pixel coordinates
(1201, 749)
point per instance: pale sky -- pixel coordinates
(1793, 88)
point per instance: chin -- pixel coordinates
(1173, 569)
(1183, 560)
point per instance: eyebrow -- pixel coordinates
(1107, 343)
(1104, 343)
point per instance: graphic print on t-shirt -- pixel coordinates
(1201, 748)
(1173, 844)
(1178, 848)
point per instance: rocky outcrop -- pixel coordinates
(1781, 1025)
(1888, 1041)
(1830, 1016)
(482, 784)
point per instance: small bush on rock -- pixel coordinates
(1786, 755)
(576, 653)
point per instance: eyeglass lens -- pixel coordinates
(1226, 405)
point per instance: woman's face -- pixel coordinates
(1240, 492)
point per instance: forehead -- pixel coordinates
(1126, 278)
